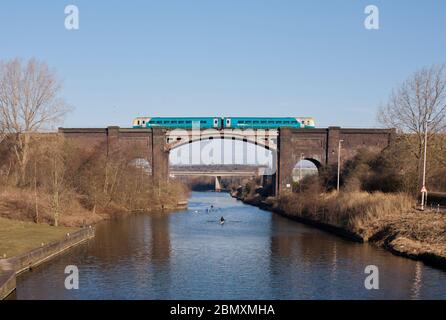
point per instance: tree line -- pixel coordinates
(45, 178)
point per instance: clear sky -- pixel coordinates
(226, 58)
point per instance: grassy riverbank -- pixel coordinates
(387, 220)
(17, 237)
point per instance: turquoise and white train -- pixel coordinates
(223, 123)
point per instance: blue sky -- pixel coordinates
(226, 58)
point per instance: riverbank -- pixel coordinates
(386, 220)
(26, 245)
(23, 205)
(18, 237)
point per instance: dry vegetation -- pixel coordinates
(44, 178)
(378, 197)
(353, 211)
(63, 184)
(377, 201)
(376, 204)
(389, 220)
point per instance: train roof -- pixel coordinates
(157, 117)
(293, 117)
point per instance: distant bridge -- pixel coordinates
(218, 174)
(186, 173)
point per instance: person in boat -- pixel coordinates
(222, 220)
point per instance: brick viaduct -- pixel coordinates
(317, 145)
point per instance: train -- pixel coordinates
(224, 122)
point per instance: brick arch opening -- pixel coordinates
(257, 146)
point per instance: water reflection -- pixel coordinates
(254, 255)
(418, 280)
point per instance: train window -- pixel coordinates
(159, 122)
(188, 121)
(262, 121)
(143, 122)
(241, 121)
(278, 122)
(270, 121)
(228, 121)
(202, 121)
(181, 122)
(138, 121)
(255, 121)
(248, 121)
(303, 121)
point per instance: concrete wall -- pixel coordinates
(9, 268)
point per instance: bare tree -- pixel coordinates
(420, 98)
(29, 103)
(2, 130)
(418, 103)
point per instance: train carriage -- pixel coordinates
(178, 123)
(227, 122)
(267, 123)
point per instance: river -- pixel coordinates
(254, 255)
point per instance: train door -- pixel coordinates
(216, 124)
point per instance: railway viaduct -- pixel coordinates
(319, 145)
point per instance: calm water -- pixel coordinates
(254, 255)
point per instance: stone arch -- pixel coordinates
(178, 138)
(246, 142)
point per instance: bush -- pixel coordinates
(63, 180)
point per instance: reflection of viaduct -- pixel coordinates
(319, 146)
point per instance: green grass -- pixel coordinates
(17, 237)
